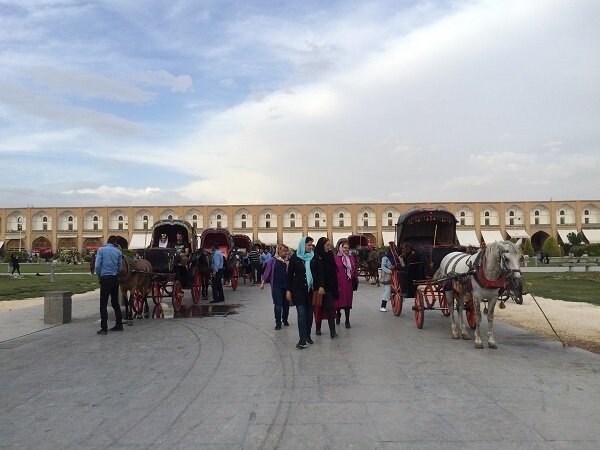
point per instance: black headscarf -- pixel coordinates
(320, 251)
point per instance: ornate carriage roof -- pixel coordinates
(220, 236)
(171, 227)
(241, 241)
(437, 226)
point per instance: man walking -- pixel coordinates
(217, 275)
(108, 265)
(254, 257)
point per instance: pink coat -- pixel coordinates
(345, 284)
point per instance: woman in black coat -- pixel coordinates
(303, 277)
(330, 285)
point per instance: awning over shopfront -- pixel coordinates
(140, 241)
(292, 239)
(563, 235)
(267, 237)
(593, 236)
(467, 237)
(388, 236)
(337, 236)
(490, 236)
(517, 234)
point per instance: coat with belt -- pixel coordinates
(296, 279)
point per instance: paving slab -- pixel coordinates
(235, 382)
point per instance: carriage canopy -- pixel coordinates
(171, 227)
(220, 236)
(242, 242)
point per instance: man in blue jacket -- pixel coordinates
(217, 275)
(108, 266)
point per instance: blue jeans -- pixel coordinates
(305, 319)
(281, 306)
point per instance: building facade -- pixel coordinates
(88, 228)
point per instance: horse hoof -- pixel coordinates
(466, 337)
(478, 345)
(455, 336)
(492, 345)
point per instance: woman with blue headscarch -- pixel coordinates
(303, 277)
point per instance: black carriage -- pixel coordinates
(224, 241)
(432, 235)
(242, 245)
(169, 269)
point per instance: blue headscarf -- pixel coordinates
(306, 257)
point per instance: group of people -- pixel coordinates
(255, 262)
(317, 281)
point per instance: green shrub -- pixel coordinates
(586, 249)
(69, 256)
(575, 238)
(551, 247)
(22, 256)
(528, 248)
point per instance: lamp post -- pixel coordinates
(20, 228)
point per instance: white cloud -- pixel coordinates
(179, 83)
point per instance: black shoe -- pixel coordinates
(348, 325)
(278, 327)
(318, 332)
(309, 340)
(103, 332)
(301, 345)
(286, 323)
(117, 328)
(214, 301)
(333, 334)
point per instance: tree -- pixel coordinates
(551, 247)
(575, 238)
(528, 248)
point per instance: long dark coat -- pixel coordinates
(296, 279)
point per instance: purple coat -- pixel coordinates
(345, 283)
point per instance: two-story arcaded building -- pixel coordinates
(87, 228)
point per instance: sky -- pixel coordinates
(145, 102)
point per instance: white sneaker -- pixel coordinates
(382, 309)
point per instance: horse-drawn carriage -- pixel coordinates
(162, 271)
(224, 241)
(450, 274)
(242, 245)
(431, 233)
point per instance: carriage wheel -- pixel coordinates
(137, 303)
(419, 308)
(157, 293)
(177, 295)
(234, 278)
(429, 296)
(157, 312)
(470, 313)
(396, 294)
(196, 288)
(444, 304)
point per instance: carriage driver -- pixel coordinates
(182, 249)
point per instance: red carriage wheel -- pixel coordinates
(234, 278)
(429, 296)
(419, 308)
(137, 302)
(177, 296)
(157, 293)
(395, 294)
(470, 313)
(157, 312)
(196, 288)
(444, 304)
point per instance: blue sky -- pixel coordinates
(151, 102)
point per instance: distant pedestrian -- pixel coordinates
(302, 277)
(347, 274)
(275, 274)
(254, 257)
(108, 266)
(92, 263)
(387, 266)
(14, 262)
(265, 257)
(217, 274)
(329, 284)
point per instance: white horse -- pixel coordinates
(484, 276)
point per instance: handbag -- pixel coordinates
(354, 284)
(317, 299)
(384, 277)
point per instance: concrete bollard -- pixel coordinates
(57, 307)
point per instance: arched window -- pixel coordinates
(267, 216)
(511, 213)
(219, 217)
(145, 220)
(487, 214)
(586, 212)
(462, 214)
(292, 216)
(317, 215)
(70, 220)
(536, 212)
(366, 215)
(244, 216)
(341, 215)
(170, 217)
(195, 217)
(120, 218)
(562, 212)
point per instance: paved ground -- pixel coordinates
(235, 382)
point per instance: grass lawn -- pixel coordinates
(32, 286)
(45, 268)
(568, 286)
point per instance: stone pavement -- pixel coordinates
(235, 382)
